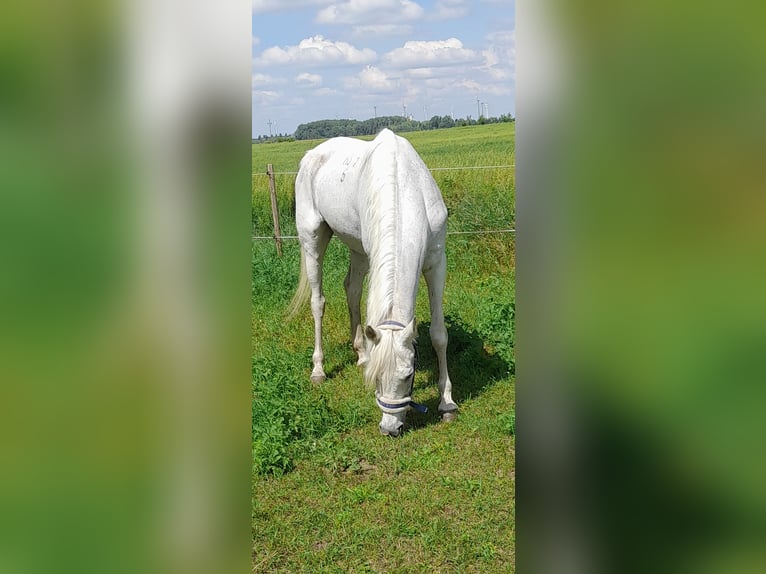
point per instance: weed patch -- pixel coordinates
(287, 414)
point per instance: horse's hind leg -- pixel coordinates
(435, 277)
(357, 268)
(314, 247)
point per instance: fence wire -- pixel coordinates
(509, 166)
(451, 168)
(511, 230)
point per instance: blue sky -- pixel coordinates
(326, 59)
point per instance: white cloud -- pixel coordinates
(323, 92)
(427, 71)
(421, 74)
(471, 85)
(315, 51)
(265, 97)
(475, 87)
(449, 9)
(377, 30)
(265, 6)
(367, 11)
(419, 54)
(372, 80)
(500, 56)
(266, 80)
(308, 80)
(255, 41)
(503, 37)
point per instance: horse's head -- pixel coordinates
(391, 369)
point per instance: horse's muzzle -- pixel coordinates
(391, 425)
(391, 432)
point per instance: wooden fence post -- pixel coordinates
(274, 209)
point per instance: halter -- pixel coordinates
(393, 406)
(391, 325)
(400, 405)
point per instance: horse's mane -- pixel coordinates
(382, 216)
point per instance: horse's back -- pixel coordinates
(414, 174)
(339, 178)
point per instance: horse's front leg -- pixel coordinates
(435, 277)
(357, 269)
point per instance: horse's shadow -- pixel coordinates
(471, 368)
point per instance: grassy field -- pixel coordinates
(330, 494)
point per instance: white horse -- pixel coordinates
(379, 198)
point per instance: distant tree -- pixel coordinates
(346, 127)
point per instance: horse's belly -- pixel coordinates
(344, 222)
(338, 209)
(343, 226)
(353, 243)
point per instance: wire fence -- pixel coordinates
(278, 237)
(487, 232)
(450, 168)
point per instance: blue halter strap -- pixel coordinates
(388, 406)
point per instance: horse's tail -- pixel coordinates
(302, 292)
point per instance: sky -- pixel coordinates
(327, 59)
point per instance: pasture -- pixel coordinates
(330, 494)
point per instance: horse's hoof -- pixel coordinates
(317, 379)
(449, 417)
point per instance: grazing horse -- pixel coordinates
(380, 199)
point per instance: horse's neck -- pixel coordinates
(394, 264)
(394, 275)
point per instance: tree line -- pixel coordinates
(334, 128)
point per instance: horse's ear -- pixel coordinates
(410, 331)
(372, 334)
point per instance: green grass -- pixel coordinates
(330, 493)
